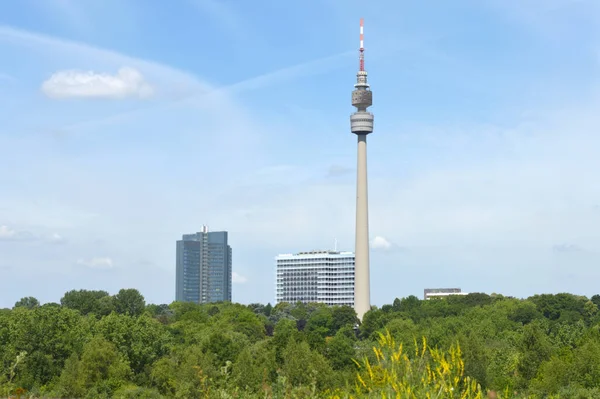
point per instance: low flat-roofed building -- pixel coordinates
(442, 292)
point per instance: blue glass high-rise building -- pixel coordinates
(203, 267)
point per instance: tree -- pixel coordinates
(268, 309)
(162, 313)
(340, 352)
(552, 306)
(343, 316)
(535, 348)
(321, 321)
(28, 302)
(548, 345)
(141, 340)
(303, 367)
(101, 370)
(129, 302)
(475, 299)
(407, 304)
(285, 330)
(254, 366)
(49, 335)
(106, 305)
(372, 321)
(590, 309)
(524, 312)
(85, 301)
(225, 346)
(185, 373)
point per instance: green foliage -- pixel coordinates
(129, 302)
(301, 366)
(135, 392)
(343, 316)
(254, 367)
(87, 302)
(340, 351)
(94, 345)
(27, 302)
(49, 335)
(100, 371)
(185, 373)
(141, 340)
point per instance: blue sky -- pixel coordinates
(124, 124)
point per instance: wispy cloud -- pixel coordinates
(56, 238)
(178, 80)
(304, 69)
(238, 278)
(97, 263)
(564, 248)
(8, 233)
(175, 86)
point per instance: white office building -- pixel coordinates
(316, 276)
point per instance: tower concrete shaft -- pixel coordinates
(361, 123)
(362, 284)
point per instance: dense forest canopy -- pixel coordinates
(96, 345)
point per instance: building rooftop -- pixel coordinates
(318, 252)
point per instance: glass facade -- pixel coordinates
(319, 276)
(203, 267)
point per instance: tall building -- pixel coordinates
(361, 124)
(203, 267)
(317, 276)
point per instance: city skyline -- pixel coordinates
(481, 175)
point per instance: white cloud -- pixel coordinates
(56, 238)
(237, 278)
(6, 233)
(97, 263)
(128, 82)
(379, 242)
(9, 234)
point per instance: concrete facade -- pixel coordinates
(317, 276)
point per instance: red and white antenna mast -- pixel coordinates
(362, 47)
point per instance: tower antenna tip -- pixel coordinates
(362, 47)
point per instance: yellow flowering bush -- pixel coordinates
(430, 374)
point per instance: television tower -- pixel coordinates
(361, 123)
